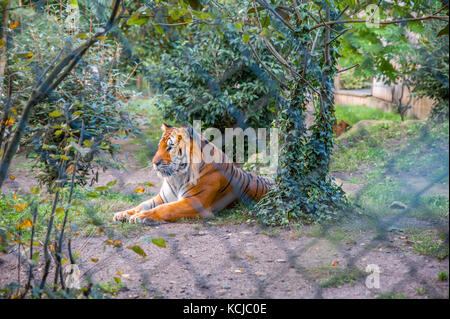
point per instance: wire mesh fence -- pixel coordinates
(388, 249)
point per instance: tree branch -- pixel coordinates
(348, 68)
(52, 81)
(429, 17)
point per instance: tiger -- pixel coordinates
(193, 187)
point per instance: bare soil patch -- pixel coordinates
(206, 259)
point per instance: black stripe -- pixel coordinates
(244, 180)
(173, 192)
(188, 189)
(248, 184)
(257, 186)
(229, 181)
(162, 197)
(195, 194)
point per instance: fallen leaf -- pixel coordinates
(14, 24)
(20, 207)
(335, 263)
(139, 190)
(160, 242)
(11, 177)
(10, 121)
(24, 224)
(69, 169)
(138, 250)
(93, 259)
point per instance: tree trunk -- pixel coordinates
(4, 39)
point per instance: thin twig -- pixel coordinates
(342, 12)
(266, 68)
(52, 81)
(348, 68)
(30, 271)
(429, 17)
(340, 33)
(47, 238)
(131, 73)
(268, 7)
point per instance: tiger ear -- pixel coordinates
(165, 127)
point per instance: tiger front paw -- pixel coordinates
(122, 216)
(143, 218)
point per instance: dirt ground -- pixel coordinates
(208, 259)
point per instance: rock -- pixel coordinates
(280, 260)
(259, 273)
(398, 205)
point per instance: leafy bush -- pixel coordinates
(195, 71)
(91, 96)
(431, 78)
(350, 80)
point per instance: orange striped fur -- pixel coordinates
(193, 188)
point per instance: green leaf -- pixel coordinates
(93, 194)
(252, 10)
(137, 20)
(55, 113)
(112, 183)
(444, 31)
(74, 3)
(195, 4)
(36, 256)
(159, 29)
(265, 21)
(245, 38)
(160, 242)
(138, 250)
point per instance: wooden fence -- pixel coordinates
(382, 97)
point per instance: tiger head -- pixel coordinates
(178, 154)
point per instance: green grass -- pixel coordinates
(238, 214)
(443, 276)
(387, 158)
(421, 291)
(85, 215)
(336, 276)
(391, 295)
(354, 113)
(430, 244)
